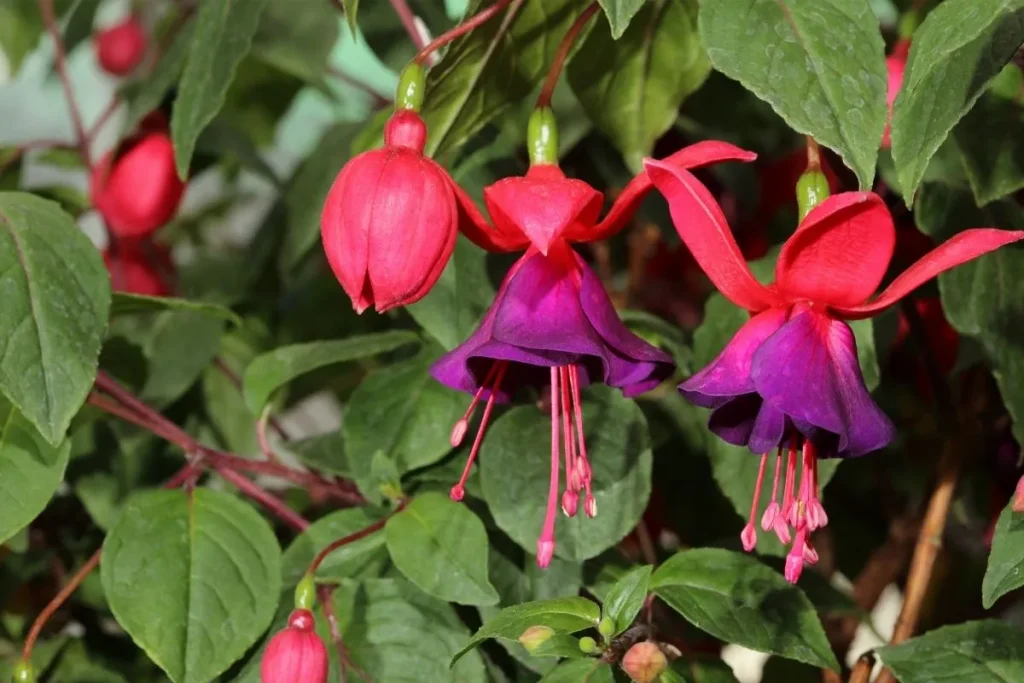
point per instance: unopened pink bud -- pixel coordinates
(295, 653)
(120, 48)
(644, 662)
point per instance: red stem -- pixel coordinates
(82, 140)
(408, 20)
(564, 48)
(352, 538)
(463, 28)
(272, 503)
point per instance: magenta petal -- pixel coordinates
(748, 421)
(728, 375)
(809, 370)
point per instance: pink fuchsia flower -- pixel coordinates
(895, 65)
(139, 268)
(551, 324)
(296, 653)
(790, 379)
(120, 48)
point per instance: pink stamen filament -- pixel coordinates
(582, 463)
(546, 541)
(462, 426)
(458, 491)
(772, 511)
(749, 535)
(568, 506)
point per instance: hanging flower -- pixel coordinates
(551, 324)
(120, 48)
(139, 268)
(895, 66)
(790, 379)
(295, 653)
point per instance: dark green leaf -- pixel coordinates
(152, 90)
(78, 23)
(56, 294)
(193, 579)
(223, 35)
(405, 413)
(441, 546)
(297, 37)
(625, 599)
(992, 147)
(785, 51)
(562, 615)
(224, 141)
(30, 470)
(127, 304)
(619, 13)
(306, 192)
(274, 369)
(978, 651)
(958, 49)
(1006, 562)
(364, 557)
(587, 670)
(701, 671)
(734, 597)
(351, 8)
(483, 73)
(458, 299)
(632, 87)
(324, 452)
(515, 472)
(181, 344)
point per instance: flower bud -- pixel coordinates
(644, 662)
(535, 636)
(139, 269)
(606, 627)
(120, 48)
(588, 645)
(137, 190)
(23, 672)
(390, 220)
(295, 653)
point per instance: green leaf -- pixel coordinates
(78, 24)
(193, 579)
(271, 371)
(324, 452)
(625, 599)
(492, 67)
(561, 615)
(958, 49)
(30, 470)
(992, 147)
(515, 472)
(700, 671)
(978, 651)
(364, 557)
(402, 411)
(785, 52)
(735, 598)
(620, 13)
(56, 294)
(128, 304)
(304, 198)
(223, 35)
(441, 546)
(587, 670)
(152, 90)
(632, 88)
(1006, 561)
(455, 304)
(181, 344)
(351, 8)
(297, 37)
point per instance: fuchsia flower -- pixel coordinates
(790, 379)
(295, 653)
(120, 48)
(551, 323)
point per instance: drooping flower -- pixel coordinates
(295, 653)
(139, 268)
(790, 379)
(390, 220)
(120, 48)
(895, 66)
(136, 187)
(644, 662)
(551, 324)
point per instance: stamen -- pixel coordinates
(816, 516)
(790, 482)
(772, 511)
(749, 535)
(582, 462)
(570, 466)
(795, 558)
(458, 491)
(570, 501)
(462, 426)
(546, 541)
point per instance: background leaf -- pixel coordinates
(619, 14)
(625, 598)
(364, 557)
(978, 651)
(1006, 561)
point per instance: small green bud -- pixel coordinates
(23, 672)
(535, 636)
(606, 627)
(411, 85)
(305, 593)
(588, 645)
(542, 137)
(811, 190)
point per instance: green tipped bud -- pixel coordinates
(305, 593)
(535, 636)
(644, 662)
(606, 627)
(411, 85)
(811, 190)
(23, 672)
(542, 137)
(588, 645)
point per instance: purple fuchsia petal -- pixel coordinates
(540, 319)
(728, 375)
(748, 421)
(809, 370)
